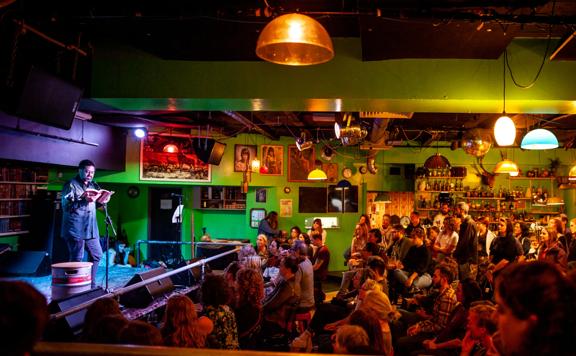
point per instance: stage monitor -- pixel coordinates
(49, 100)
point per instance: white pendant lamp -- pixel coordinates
(504, 128)
(504, 131)
(539, 139)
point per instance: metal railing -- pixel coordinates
(132, 287)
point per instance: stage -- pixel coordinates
(118, 277)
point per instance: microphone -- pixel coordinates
(176, 195)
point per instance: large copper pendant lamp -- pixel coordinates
(296, 40)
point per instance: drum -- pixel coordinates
(70, 278)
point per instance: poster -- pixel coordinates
(285, 208)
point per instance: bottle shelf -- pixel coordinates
(12, 233)
(15, 199)
(14, 216)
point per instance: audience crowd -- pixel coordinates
(461, 286)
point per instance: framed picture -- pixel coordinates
(243, 156)
(261, 195)
(272, 160)
(331, 170)
(300, 163)
(285, 208)
(256, 215)
(171, 158)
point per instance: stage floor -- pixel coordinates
(118, 276)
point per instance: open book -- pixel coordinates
(101, 196)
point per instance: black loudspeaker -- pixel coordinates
(49, 100)
(213, 250)
(24, 263)
(142, 297)
(186, 278)
(67, 328)
(210, 152)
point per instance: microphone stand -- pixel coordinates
(109, 224)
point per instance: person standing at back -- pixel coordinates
(79, 225)
(269, 226)
(466, 253)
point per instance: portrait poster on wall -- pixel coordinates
(300, 163)
(171, 158)
(271, 160)
(243, 156)
(285, 208)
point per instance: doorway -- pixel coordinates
(165, 225)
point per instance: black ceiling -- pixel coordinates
(228, 30)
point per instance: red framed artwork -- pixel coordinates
(171, 158)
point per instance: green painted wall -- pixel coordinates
(132, 213)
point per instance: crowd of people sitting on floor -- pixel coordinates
(455, 288)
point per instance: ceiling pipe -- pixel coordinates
(245, 121)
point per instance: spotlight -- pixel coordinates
(140, 132)
(349, 133)
(302, 142)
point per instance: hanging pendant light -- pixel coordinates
(255, 165)
(504, 128)
(506, 166)
(383, 197)
(504, 131)
(296, 40)
(539, 139)
(317, 173)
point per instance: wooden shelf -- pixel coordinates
(13, 216)
(442, 191)
(31, 183)
(15, 199)
(12, 233)
(531, 178)
(442, 177)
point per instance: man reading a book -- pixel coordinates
(80, 198)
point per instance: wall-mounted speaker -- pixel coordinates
(210, 151)
(49, 100)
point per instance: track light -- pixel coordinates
(349, 133)
(140, 132)
(302, 142)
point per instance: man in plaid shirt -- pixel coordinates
(428, 327)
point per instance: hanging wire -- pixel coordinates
(548, 41)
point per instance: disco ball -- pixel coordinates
(476, 142)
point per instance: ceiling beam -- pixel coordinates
(252, 126)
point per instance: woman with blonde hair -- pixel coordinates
(182, 327)
(377, 303)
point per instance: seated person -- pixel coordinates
(351, 339)
(279, 305)
(412, 270)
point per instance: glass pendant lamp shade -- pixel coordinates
(383, 197)
(572, 173)
(506, 166)
(539, 139)
(504, 131)
(317, 174)
(296, 40)
(255, 165)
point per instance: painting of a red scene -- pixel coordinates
(172, 158)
